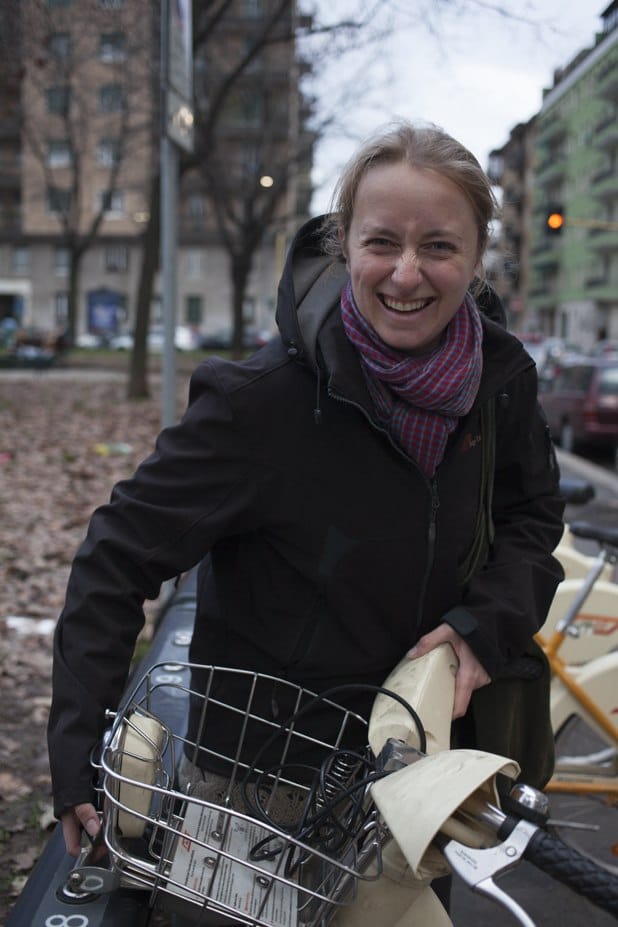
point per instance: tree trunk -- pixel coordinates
(241, 268)
(137, 387)
(73, 295)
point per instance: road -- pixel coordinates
(547, 902)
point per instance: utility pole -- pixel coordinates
(176, 132)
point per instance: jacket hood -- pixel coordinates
(309, 291)
(309, 294)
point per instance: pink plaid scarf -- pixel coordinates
(420, 399)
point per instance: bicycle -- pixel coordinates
(360, 788)
(584, 666)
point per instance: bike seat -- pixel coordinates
(576, 491)
(604, 534)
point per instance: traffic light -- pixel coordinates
(554, 220)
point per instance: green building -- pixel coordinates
(573, 281)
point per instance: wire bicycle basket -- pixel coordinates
(290, 826)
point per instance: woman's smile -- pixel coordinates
(416, 305)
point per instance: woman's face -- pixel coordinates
(412, 251)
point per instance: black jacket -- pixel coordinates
(330, 551)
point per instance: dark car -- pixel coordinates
(581, 403)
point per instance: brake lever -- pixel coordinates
(478, 868)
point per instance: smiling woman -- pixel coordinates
(332, 486)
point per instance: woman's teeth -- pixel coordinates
(412, 306)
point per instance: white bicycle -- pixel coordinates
(379, 810)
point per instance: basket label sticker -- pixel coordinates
(229, 882)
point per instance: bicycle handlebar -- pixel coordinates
(567, 865)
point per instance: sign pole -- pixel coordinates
(176, 131)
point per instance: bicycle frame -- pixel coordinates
(588, 688)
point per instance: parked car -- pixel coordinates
(581, 403)
(185, 339)
(221, 340)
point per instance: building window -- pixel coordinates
(112, 47)
(62, 262)
(61, 308)
(21, 259)
(193, 264)
(58, 100)
(252, 8)
(196, 206)
(116, 258)
(60, 46)
(111, 202)
(244, 108)
(110, 98)
(58, 200)
(108, 152)
(194, 310)
(59, 154)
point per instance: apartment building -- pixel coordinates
(574, 291)
(83, 146)
(565, 283)
(511, 168)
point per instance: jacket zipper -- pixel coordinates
(434, 502)
(431, 550)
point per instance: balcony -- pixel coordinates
(552, 169)
(607, 85)
(607, 135)
(601, 288)
(603, 240)
(546, 255)
(10, 172)
(605, 184)
(551, 130)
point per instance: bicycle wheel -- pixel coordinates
(582, 753)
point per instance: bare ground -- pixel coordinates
(65, 439)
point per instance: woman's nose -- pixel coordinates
(408, 268)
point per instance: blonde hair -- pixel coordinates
(426, 147)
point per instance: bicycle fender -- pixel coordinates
(418, 800)
(428, 685)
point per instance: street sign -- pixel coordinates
(178, 76)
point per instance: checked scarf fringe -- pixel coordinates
(420, 398)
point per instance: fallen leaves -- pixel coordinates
(64, 442)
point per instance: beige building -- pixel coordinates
(511, 168)
(82, 147)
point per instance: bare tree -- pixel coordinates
(86, 124)
(234, 180)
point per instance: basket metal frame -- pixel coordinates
(320, 881)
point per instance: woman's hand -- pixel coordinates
(470, 675)
(73, 821)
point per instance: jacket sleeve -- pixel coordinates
(507, 601)
(195, 487)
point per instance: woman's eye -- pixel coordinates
(380, 243)
(441, 246)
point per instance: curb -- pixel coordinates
(588, 471)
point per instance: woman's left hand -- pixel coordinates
(470, 675)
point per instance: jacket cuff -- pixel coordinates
(467, 626)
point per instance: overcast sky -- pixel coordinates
(474, 72)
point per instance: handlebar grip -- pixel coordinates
(583, 875)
